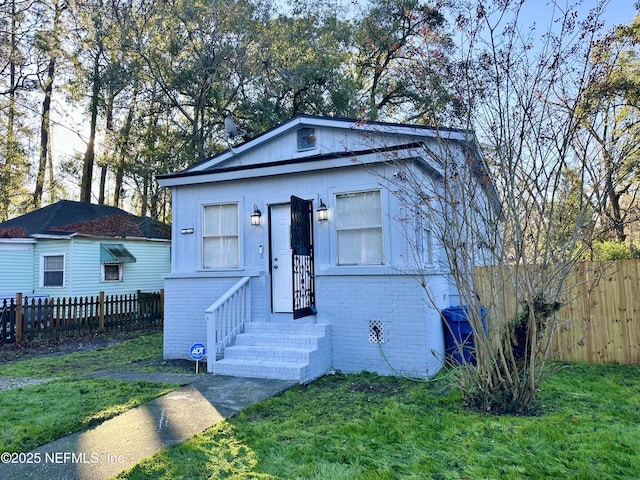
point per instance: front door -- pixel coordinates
(304, 296)
(281, 266)
(292, 263)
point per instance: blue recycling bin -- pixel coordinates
(460, 345)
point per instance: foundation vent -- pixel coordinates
(376, 331)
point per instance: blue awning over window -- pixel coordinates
(115, 253)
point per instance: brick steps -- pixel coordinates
(286, 351)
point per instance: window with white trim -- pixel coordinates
(112, 272)
(359, 228)
(306, 139)
(220, 243)
(52, 268)
(424, 237)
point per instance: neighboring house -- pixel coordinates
(299, 219)
(73, 249)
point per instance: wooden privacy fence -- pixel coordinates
(600, 319)
(25, 319)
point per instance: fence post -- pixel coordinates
(19, 318)
(101, 312)
(162, 305)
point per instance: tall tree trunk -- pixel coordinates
(614, 210)
(53, 185)
(103, 182)
(45, 123)
(111, 148)
(151, 139)
(90, 154)
(145, 195)
(124, 149)
(45, 129)
(8, 170)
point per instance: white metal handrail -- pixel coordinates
(225, 318)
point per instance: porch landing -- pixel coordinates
(284, 351)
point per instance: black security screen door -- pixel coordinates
(304, 294)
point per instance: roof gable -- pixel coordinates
(305, 139)
(68, 217)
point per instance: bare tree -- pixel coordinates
(504, 208)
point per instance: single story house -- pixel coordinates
(77, 249)
(289, 259)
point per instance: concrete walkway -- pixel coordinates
(119, 443)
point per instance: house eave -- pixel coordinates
(48, 236)
(295, 165)
(53, 236)
(17, 240)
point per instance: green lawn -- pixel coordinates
(34, 415)
(125, 355)
(363, 426)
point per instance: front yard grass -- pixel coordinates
(34, 415)
(125, 355)
(369, 427)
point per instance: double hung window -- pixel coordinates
(424, 237)
(220, 236)
(359, 228)
(52, 270)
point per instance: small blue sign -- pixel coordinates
(197, 351)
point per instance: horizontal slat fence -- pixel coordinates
(600, 319)
(24, 319)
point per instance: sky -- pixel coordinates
(618, 11)
(615, 13)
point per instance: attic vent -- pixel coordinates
(376, 331)
(306, 139)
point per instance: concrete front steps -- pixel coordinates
(284, 351)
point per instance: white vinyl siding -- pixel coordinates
(17, 258)
(220, 243)
(359, 228)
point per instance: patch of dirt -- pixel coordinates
(61, 346)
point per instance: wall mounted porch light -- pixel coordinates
(256, 216)
(322, 212)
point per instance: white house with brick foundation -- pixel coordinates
(289, 258)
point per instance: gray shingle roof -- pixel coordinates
(66, 217)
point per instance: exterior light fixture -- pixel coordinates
(322, 212)
(256, 216)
